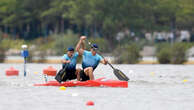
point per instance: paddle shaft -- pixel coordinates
(25, 60)
(120, 75)
(101, 55)
(107, 62)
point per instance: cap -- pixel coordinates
(95, 46)
(70, 49)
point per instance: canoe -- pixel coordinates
(101, 82)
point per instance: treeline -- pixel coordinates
(29, 19)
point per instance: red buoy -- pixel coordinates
(90, 103)
(12, 72)
(50, 71)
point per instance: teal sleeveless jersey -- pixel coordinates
(73, 59)
(89, 60)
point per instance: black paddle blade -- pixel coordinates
(60, 75)
(58, 78)
(120, 75)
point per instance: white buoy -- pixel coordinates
(74, 94)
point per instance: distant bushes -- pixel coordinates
(55, 44)
(37, 54)
(164, 56)
(101, 42)
(2, 54)
(179, 53)
(163, 53)
(175, 54)
(12, 44)
(63, 41)
(8, 43)
(128, 54)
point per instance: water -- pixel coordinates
(152, 87)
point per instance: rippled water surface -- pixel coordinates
(152, 87)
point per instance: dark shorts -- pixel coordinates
(69, 75)
(83, 76)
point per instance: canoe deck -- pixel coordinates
(90, 83)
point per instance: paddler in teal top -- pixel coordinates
(90, 60)
(70, 60)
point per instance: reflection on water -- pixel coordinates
(152, 87)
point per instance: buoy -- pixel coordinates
(185, 80)
(12, 72)
(50, 71)
(74, 94)
(152, 73)
(90, 103)
(62, 88)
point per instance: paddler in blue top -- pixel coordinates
(90, 60)
(70, 60)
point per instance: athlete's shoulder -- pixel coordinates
(64, 56)
(86, 52)
(76, 54)
(100, 57)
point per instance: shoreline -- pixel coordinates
(58, 61)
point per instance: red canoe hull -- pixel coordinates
(90, 83)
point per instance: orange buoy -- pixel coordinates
(50, 71)
(12, 72)
(90, 103)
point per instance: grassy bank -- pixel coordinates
(124, 52)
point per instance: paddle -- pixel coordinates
(60, 75)
(119, 74)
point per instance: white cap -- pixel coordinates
(24, 46)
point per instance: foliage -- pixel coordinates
(127, 54)
(102, 43)
(2, 54)
(29, 19)
(175, 54)
(164, 56)
(14, 44)
(179, 55)
(32, 18)
(63, 41)
(160, 46)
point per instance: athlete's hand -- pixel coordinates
(105, 61)
(68, 61)
(82, 38)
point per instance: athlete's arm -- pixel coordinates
(83, 45)
(65, 61)
(78, 46)
(104, 61)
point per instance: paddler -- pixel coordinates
(90, 60)
(69, 61)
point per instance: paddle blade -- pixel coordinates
(61, 76)
(58, 78)
(120, 75)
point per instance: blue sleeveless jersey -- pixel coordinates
(89, 60)
(72, 64)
